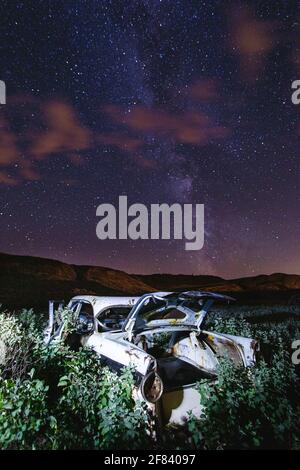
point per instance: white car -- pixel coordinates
(161, 335)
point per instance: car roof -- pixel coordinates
(100, 303)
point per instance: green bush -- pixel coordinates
(24, 418)
(53, 397)
(57, 398)
(95, 408)
(249, 408)
(271, 336)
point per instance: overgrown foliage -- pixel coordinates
(250, 408)
(256, 407)
(56, 398)
(62, 399)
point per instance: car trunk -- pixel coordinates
(185, 357)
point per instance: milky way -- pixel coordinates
(162, 101)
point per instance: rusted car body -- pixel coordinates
(162, 336)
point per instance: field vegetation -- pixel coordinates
(56, 398)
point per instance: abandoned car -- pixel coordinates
(162, 336)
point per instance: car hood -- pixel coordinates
(151, 310)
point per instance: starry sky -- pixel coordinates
(162, 101)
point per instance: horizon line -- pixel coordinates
(151, 274)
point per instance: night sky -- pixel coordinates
(162, 101)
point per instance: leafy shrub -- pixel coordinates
(53, 397)
(23, 415)
(249, 408)
(17, 342)
(95, 409)
(257, 407)
(272, 337)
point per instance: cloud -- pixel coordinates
(8, 145)
(251, 40)
(7, 179)
(28, 171)
(191, 127)
(145, 163)
(64, 132)
(129, 145)
(63, 135)
(53, 128)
